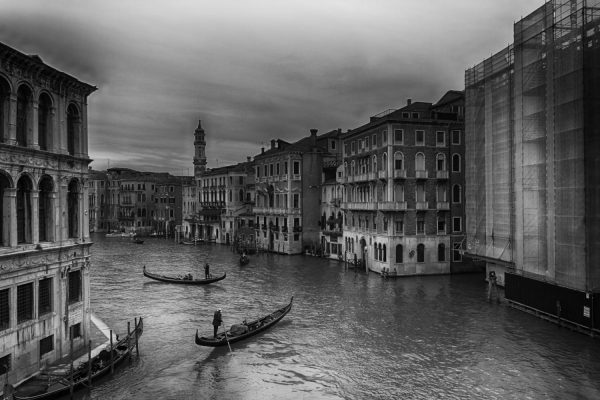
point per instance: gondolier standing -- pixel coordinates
(206, 271)
(217, 320)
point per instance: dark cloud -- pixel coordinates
(251, 71)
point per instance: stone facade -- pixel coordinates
(44, 244)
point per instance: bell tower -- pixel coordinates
(199, 146)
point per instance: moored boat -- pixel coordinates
(184, 280)
(244, 330)
(244, 259)
(44, 386)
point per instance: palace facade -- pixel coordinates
(44, 240)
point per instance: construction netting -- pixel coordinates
(526, 139)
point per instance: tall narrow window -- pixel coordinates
(4, 309)
(24, 210)
(46, 345)
(74, 286)
(4, 184)
(4, 110)
(419, 138)
(420, 253)
(72, 128)
(45, 209)
(399, 254)
(420, 162)
(23, 114)
(441, 252)
(24, 302)
(44, 121)
(45, 296)
(456, 194)
(73, 209)
(398, 161)
(456, 163)
(440, 162)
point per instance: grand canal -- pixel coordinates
(350, 335)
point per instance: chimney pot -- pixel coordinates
(262, 150)
(408, 102)
(313, 132)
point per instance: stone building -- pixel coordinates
(44, 240)
(404, 183)
(288, 179)
(533, 180)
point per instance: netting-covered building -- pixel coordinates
(533, 121)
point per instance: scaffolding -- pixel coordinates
(533, 186)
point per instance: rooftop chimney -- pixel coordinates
(262, 150)
(272, 143)
(408, 102)
(248, 158)
(313, 135)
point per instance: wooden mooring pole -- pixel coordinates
(89, 365)
(137, 349)
(129, 339)
(72, 370)
(112, 364)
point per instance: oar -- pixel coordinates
(227, 340)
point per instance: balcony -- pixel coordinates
(335, 202)
(421, 174)
(297, 229)
(361, 178)
(422, 205)
(366, 206)
(400, 174)
(371, 176)
(260, 210)
(382, 174)
(443, 205)
(391, 205)
(441, 174)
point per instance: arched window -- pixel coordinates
(270, 191)
(399, 254)
(73, 209)
(23, 114)
(4, 109)
(73, 123)
(398, 160)
(456, 194)
(440, 162)
(456, 163)
(352, 168)
(420, 162)
(4, 232)
(384, 253)
(441, 252)
(375, 251)
(384, 162)
(420, 253)
(44, 123)
(24, 188)
(45, 222)
(346, 169)
(241, 196)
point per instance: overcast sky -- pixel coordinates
(251, 70)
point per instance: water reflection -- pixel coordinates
(350, 335)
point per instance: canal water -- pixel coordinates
(349, 335)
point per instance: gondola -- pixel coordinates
(251, 328)
(137, 241)
(163, 278)
(244, 260)
(43, 386)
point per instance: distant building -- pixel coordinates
(288, 179)
(533, 183)
(44, 240)
(189, 203)
(404, 182)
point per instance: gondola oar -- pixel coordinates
(227, 340)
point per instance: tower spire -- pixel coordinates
(199, 146)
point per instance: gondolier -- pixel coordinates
(217, 320)
(206, 271)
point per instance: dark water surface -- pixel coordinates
(349, 335)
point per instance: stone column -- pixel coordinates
(12, 119)
(52, 138)
(10, 229)
(33, 132)
(61, 210)
(54, 221)
(84, 207)
(35, 215)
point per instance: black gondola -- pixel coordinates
(42, 386)
(244, 259)
(252, 328)
(183, 280)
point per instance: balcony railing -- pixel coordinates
(382, 174)
(366, 206)
(443, 205)
(391, 205)
(421, 174)
(422, 205)
(371, 176)
(441, 174)
(400, 174)
(361, 178)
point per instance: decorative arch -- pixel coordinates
(45, 208)
(440, 162)
(456, 194)
(399, 254)
(456, 163)
(24, 209)
(5, 91)
(5, 184)
(44, 121)
(420, 162)
(420, 253)
(384, 253)
(384, 162)
(398, 160)
(73, 128)
(24, 113)
(374, 163)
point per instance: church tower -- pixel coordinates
(199, 146)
